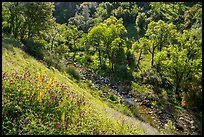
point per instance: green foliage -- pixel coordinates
(193, 16)
(27, 20)
(118, 55)
(35, 48)
(125, 10)
(162, 48)
(88, 59)
(38, 17)
(64, 10)
(37, 100)
(51, 60)
(141, 24)
(192, 95)
(5, 17)
(140, 88)
(102, 35)
(74, 36)
(180, 62)
(73, 72)
(113, 98)
(169, 128)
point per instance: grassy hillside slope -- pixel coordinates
(38, 100)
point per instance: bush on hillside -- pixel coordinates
(123, 73)
(158, 80)
(50, 60)
(192, 94)
(73, 72)
(35, 48)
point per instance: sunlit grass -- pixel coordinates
(37, 100)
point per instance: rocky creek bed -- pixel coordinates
(183, 122)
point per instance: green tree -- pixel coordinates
(161, 34)
(141, 46)
(118, 55)
(156, 11)
(64, 10)
(73, 35)
(95, 38)
(103, 34)
(141, 24)
(113, 28)
(101, 13)
(193, 16)
(55, 36)
(5, 16)
(182, 61)
(38, 17)
(13, 15)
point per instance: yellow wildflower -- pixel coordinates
(38, 80)
(39, 96)
(53, 82)
(50, 80)
(24, 92)
(63, 117)
(38, 76)
(49, 84)
(43, 73)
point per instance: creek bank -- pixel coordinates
(182, 122)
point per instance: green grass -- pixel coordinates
(38, 100)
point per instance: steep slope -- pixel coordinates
(37, 100)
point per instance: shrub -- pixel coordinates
(7, 46)
(50, 61)
(137, 88)
(35, 48)
(73, 72)
(169, 128)
(123, 73)
(158, 80)
(192, 94)
(113, 98)
(103, 65)
(88, 59)
(6, 30)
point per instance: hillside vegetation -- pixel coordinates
(76, 67)
(38, 100)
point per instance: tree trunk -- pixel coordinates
(178, 82)
(138, 61)
(52, 43)
(99, 55)
(74, 51)
(177, 90)
(109, 59)
(112, 67)
(12, 22)
(29, 31)
(160, 44)
(153, 50)
(152, 59)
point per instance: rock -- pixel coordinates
(191, 121)
(193, 127)
(180, 118)
(160, 112)
(151, 112)
(179, 127)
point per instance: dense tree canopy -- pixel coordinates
(133, 39)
